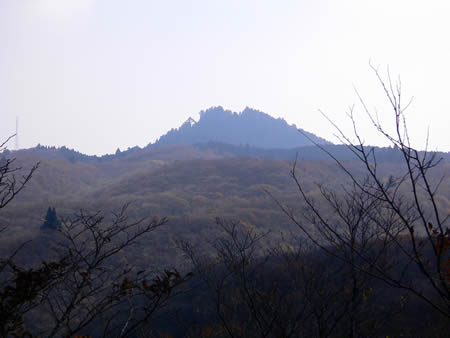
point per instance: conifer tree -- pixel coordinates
(51, 220)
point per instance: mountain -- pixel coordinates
(250, 127)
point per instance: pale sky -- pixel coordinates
(97, 75)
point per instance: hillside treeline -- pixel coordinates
(203, 248)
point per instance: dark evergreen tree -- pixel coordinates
(51, 220)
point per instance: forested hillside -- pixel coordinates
(250, 127)
(191, 185)
(211, 208)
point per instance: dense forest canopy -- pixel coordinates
(224, 239)
(191, 185)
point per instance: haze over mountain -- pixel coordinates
(194, 187)
(250, 127)
(221, 133)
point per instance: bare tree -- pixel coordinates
(10, 185)
(13, 303)
(96, 290)
(381, 224)
(83, 287)
(258, 291)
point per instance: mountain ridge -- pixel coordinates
(249, 127)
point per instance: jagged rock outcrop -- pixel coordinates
(250, 127)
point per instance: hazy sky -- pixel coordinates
(96, 75)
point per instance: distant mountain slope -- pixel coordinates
(305, 153)
(250, 127)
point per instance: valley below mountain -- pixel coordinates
(220, 208)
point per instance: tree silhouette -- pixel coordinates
(85, 286)
(383, 225)
(51, 220)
